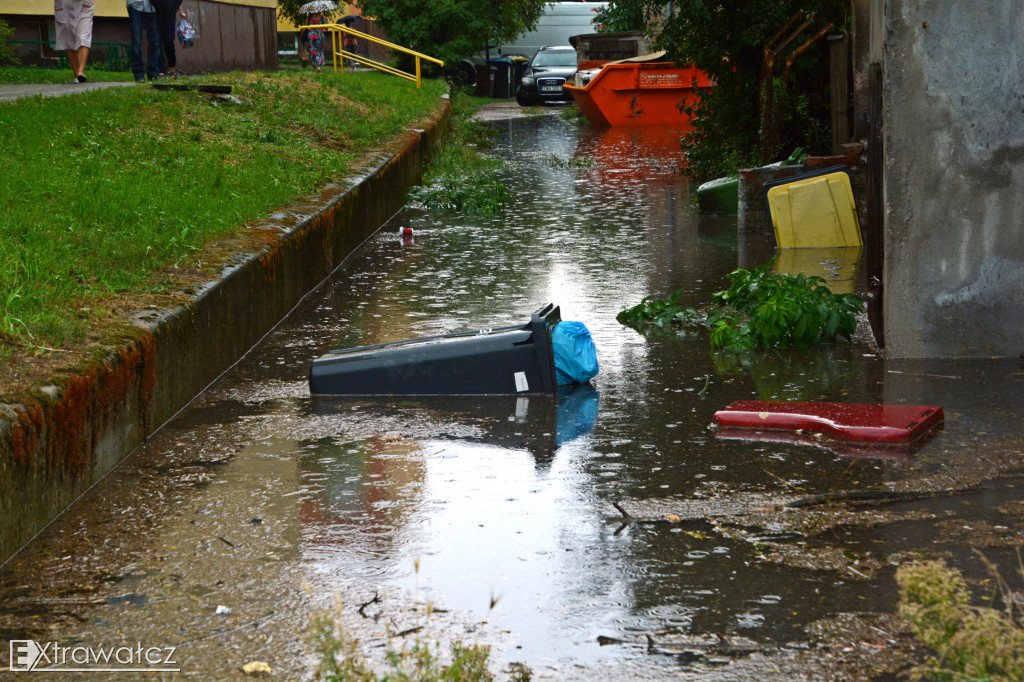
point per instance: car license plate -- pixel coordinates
(551, 88)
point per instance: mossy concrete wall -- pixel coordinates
(58, 440)
(953, 125)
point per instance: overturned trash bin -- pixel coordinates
(509, 360)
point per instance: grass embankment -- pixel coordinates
(107, 193)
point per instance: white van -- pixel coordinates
(559, 22)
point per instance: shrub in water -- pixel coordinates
(765, 310)
(761, 310)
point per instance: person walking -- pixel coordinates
(315, 39)
(142, 17)
(167, 14)
(74, 32)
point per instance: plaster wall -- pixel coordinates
(953, 124)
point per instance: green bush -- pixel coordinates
(6, 49)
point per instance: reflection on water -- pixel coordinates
(539, 424)
(839, 266)
(515, 498)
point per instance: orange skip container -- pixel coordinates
(641, 93)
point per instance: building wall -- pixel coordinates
(953, 123)
(230, 35)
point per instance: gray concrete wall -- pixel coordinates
(954, 175)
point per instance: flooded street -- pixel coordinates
(500, 520)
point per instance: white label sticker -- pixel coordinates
(521, 383)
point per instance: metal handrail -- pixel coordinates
(339, 54)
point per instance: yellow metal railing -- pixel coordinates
(339, 54)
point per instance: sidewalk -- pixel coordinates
(499, 111)
(11, 92)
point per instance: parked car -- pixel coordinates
(545, 74)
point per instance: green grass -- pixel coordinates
(35, 74)
(104, 189)
(462, 177)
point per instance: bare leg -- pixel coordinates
(73, 61)
(83, 57)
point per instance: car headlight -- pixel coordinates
(527, 80)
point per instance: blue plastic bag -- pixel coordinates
(186, 34)
(575, 354)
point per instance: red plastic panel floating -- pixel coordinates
(851, 422)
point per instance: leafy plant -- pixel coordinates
(765, 310)
(968, 642)
(761, 310)
(661, 313)
(6, 49)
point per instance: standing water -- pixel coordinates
(605, 533)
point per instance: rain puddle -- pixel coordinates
(606, 532)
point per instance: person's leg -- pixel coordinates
(83, 58)
(153, 53)
(165, 22)
(135, 19)
(73, 61)
(64, 18)
(83, 38)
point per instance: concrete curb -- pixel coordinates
(12, 91)
(58, 440)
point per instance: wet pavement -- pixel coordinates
(500, 520)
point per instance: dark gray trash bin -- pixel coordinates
(509, 360)
(484, 80)
(502, 78)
